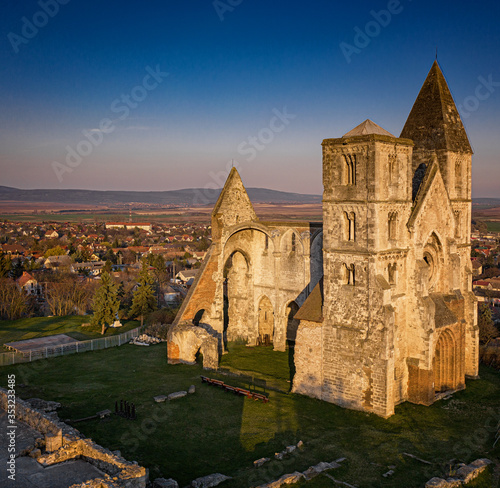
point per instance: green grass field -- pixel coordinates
(71, 325)
(493, 226)
(213, 431)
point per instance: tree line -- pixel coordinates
(67, 294)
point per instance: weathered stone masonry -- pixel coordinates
(67, 443)
(394, 318)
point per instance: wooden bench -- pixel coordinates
(234, 389)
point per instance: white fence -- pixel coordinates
(7, 358)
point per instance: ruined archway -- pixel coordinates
(445, 363)
(237, 280)
(198, 316)
(266, 321)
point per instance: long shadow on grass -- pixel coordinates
(213, 431)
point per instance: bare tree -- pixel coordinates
(14, 302)
(69, 296)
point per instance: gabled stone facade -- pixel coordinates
(256, 274)
(393, 317)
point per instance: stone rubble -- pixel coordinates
(209, 481)
(35, 453)
(295, 477)
(160, 398)
(177, 394)
(468, 472)
(124, 474)
(288, 450)
(43, 405)
(465, 474)
(442, 483)
(314, 471)
(259, 462)
(164, 483)
(192, 389)
(144, 340)
(286, 479)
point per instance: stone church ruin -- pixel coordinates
(377, 299)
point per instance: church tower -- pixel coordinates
(435, 126)
(398, 316)
(366, 204)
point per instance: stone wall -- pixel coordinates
(120, 473)
(308, 357)
(398, 317)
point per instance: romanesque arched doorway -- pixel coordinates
(445, 363)
(266, 321)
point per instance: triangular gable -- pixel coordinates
(432, 204)
(312, 309)
(233, 205)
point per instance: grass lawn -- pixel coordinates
(212, 431)
(493, 226)
(71, 325)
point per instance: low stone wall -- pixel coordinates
(42, 422)
(120, 473)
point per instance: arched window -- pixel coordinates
(391, 271)
(349, 226)
(350, 169)
(349, 274)
(393, 161)
(294, 246)
(458, 176)
(352, 226)
(458, 226)
(392, 225)
(266, 243)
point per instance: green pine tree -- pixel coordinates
(144, 300)
(106, 302)
(5, 266)
(487, 329)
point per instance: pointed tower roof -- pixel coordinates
(367, 127)
(233, 205)
(434, 122)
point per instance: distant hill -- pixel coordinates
(486, 201)
(186, 197)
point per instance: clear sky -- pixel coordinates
(86, 102)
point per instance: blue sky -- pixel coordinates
(261, 83)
